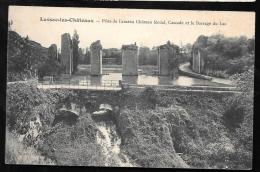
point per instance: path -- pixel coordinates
(185, 68)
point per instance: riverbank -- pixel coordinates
(185, 69)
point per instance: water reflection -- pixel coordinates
(130, 79)
(146, 80)
(96, 80)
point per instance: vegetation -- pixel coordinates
(158, 129)
(112, 56)
(28, 59)
(75, 50)
(185, 53)
(225, 56)
(17, 153)
(24, 57)
(75, 145)
(25, 101)
(61, 144)
(240, 110)
(194, 126)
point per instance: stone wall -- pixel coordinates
(96, 58)
(129, 59)
(66, 53)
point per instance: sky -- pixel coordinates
(26, 21)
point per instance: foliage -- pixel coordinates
(63, 144)
(149, 95)
(24, 57)
(191, 125)
(112, 56)
(17, 153)
(146, 138)
(75, 49)
(87, 57)
(185, 53)
(76, 145)
(242, 133)
(228, 54)
(25, 101)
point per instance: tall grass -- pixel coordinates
(17, 153)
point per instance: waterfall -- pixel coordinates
(110, 142)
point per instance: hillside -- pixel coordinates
(24, 57)
(157, 129)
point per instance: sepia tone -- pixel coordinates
(130, 88)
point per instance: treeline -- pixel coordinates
(24, 57)
(27, 59)
(225, 56)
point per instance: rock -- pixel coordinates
(105, 107)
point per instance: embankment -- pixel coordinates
(156, 128)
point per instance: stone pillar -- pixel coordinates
(66, 53)
(165, 55)
(198, 61)
(96, 58)
(129, 59)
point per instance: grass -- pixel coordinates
(17, 153)
(216, 73)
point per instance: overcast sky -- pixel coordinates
(26, 21)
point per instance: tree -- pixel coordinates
(87, 56)
(251, 45)
(24, 57)
(225, 56)
(75, 49)
(242, 134)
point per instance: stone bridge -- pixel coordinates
(67, 115)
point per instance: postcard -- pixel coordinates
(130, 87)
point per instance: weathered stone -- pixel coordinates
(197, 61)
(96, 58)
(198, 54)
(129, 59)
(66, 53)
(165, 53)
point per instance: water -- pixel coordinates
(110, 142)
(143, 79)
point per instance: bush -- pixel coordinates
(230, 55)
(76, 145)
(25, 101)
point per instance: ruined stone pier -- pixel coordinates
(66, 53)
(96, 58)
(167, 59)
(197, 61)
(129, 59)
